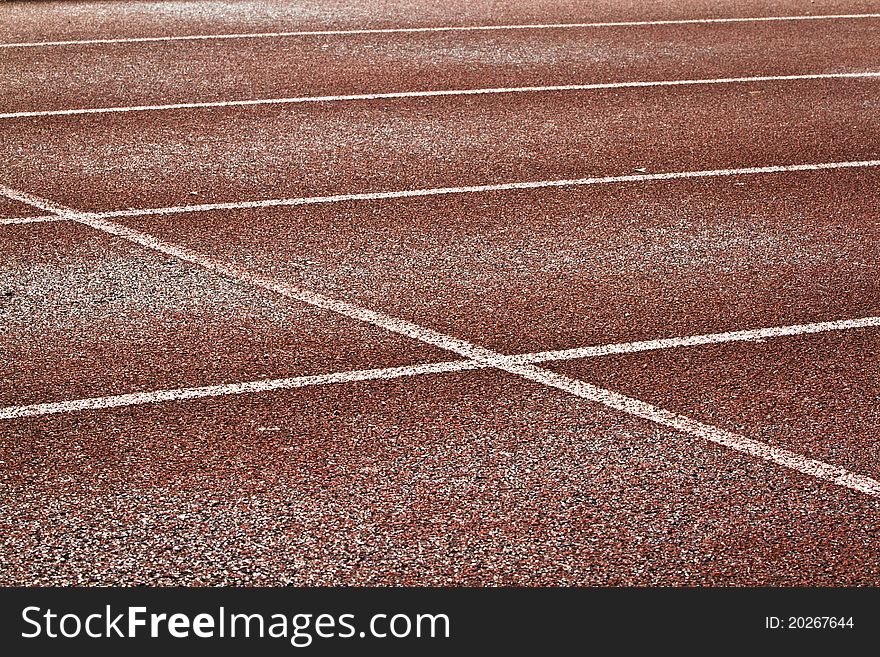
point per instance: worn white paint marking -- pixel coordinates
(14, 221)
(481, 355)
(449, 28)
(437, 93)
(477, 189)
(181, 394)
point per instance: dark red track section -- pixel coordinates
(826, 409)
(11, 209)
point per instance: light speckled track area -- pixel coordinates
(422, 293)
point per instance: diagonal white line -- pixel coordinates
(449, 28)
(437, 93)
(634, 407)
(62, 212)
(477, 189)
(14, 221)
(249, 387)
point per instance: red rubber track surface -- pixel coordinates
(29, 21)
(467, 479)
(530, 271)
(816, 395)
(88, 315)
(177, 157)
(476, 477)
(10, 209)
(221, 70)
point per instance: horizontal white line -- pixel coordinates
(438, 93)
(12, 221)
(449, 28)
(180, 394)
(438, 191)
(698, 340)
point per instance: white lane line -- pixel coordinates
(489, 358)
(181, 394)
(439, 93)
(474, 189)
(448, 28)
(750, 335)
(14, 221)
(249, 387)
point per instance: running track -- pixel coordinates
(440, 293)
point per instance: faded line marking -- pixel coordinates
(437, 93)
(451, 28)
(634, 407)
(180, 394)
(476, 189)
